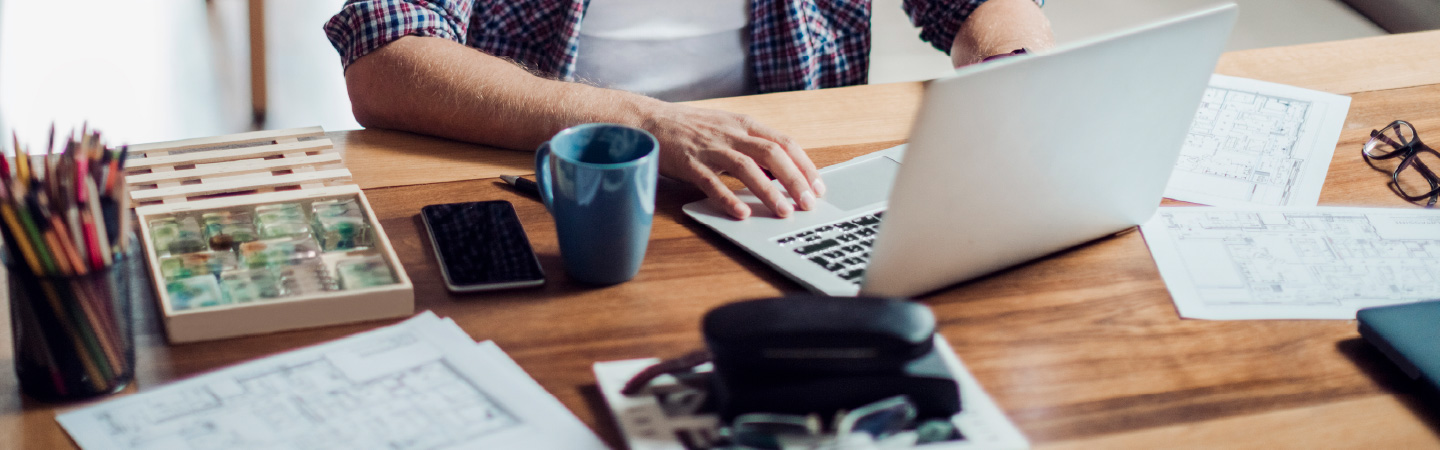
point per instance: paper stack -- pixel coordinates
(422, 383)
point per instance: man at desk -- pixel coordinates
(412, 65)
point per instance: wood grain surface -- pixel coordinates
(1083, 349)
(1343, 67)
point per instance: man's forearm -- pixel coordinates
(1001, 26)
(439, 87)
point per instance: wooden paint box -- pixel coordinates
(267, 282)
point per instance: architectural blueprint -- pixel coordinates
(1294, 263)
(1254, 143)
(421, 384)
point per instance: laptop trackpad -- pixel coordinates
(860, 185)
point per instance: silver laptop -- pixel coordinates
(1007, 162)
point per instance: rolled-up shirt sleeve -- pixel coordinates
(939, 20)
(362, 26)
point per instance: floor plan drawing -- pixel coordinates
(1294, 263)
(422, 384)
(1258, 144)
(427, 406)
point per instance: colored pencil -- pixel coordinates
(22, 160)
(84, 342)
(15, 234)
(5, 167)
(102, 241)
(67, 247)
(59, 214)
(41, 251)
(27, 318)
(61, 263)
(92, 320)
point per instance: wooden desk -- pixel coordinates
(1082, 349)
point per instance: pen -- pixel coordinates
(525, 186)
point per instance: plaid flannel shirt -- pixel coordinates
(794, 44)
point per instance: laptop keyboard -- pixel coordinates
(843, 248)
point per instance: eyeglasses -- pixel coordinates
(1414, 178)
(682, 364)
(882, 424)
(876, 422)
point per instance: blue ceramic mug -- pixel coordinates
(598, 181)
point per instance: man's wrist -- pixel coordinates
(641, 111)
(582, 103)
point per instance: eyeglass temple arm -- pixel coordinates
(684, 362)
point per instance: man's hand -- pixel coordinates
(697, 145)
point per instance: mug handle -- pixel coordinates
(542, 175)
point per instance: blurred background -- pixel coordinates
(154, 70)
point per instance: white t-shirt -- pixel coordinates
(673, 50)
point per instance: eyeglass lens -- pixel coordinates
(1393, 138)
(1416, 176)
(764, 431)
(879, 419)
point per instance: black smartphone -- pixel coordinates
(481, 246)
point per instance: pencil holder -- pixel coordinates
(73, 335)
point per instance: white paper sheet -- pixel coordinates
(1255, 143)
(419, 384)
(1294, 263)
(648, 425)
